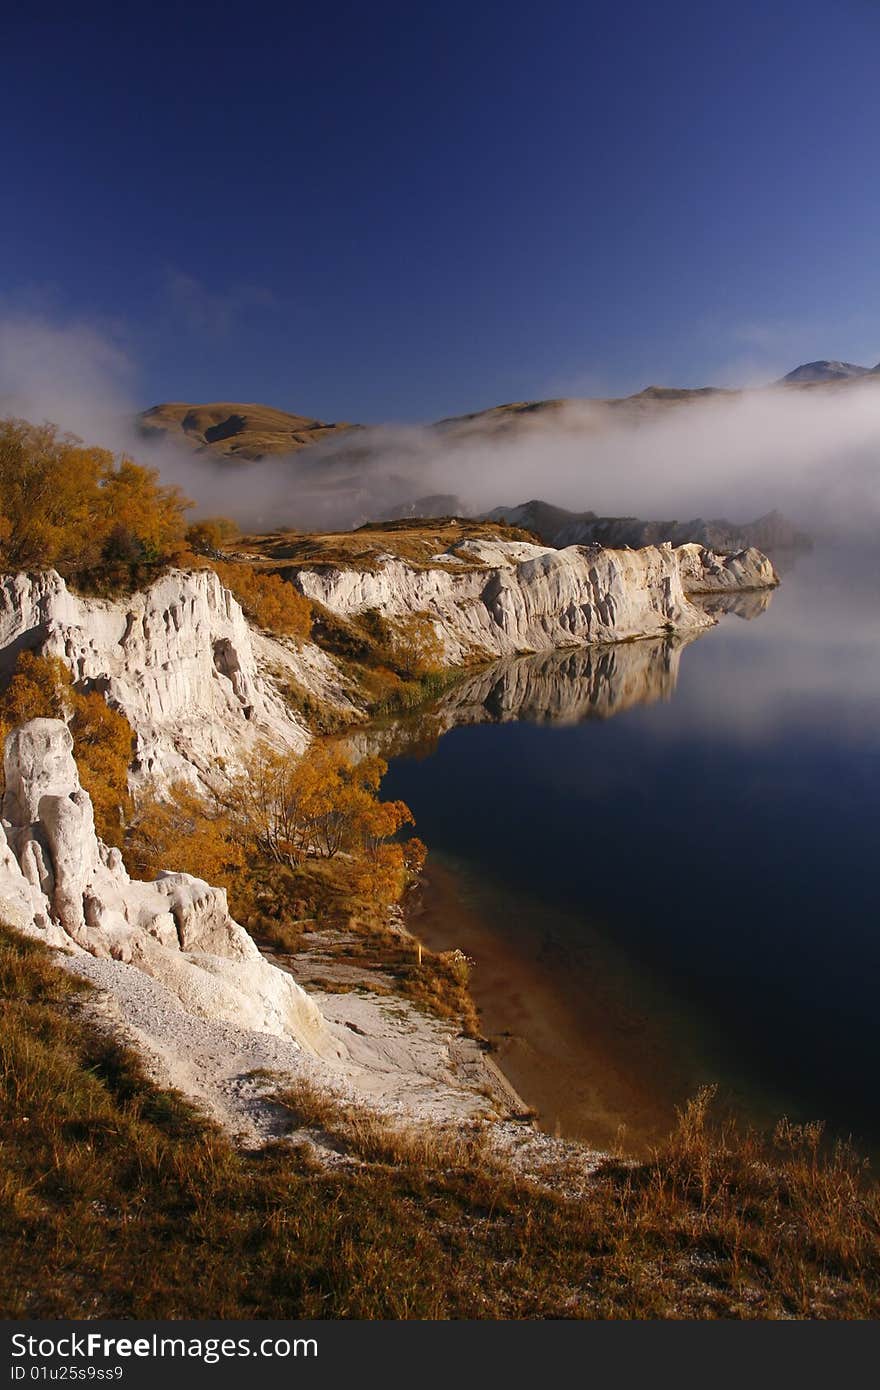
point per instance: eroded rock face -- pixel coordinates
(703, 571)
(59, 882)
(178, 659)
(499, 598)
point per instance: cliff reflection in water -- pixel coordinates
(566, 687)
(561, 687)
(693, 886)
(748, 605)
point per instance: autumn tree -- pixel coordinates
(267, 599)
(49, 497)
(81, 510)
(145, 519)
(210, 534)
(418, 649)
(324, 805)
(186, 832)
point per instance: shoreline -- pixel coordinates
(556, 1060)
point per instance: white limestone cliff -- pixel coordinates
(490, 598)
(179, 660)
(185, 984)
(705, 571)
(61, 884)
(200, 686)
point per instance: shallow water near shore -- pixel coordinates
(662, 858)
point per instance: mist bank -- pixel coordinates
(813, 455)
(810, 452)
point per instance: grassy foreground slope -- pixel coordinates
(117, 1199)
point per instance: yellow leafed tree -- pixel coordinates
(186, 833)
(267, 599)
(81, 510)
(324, 805)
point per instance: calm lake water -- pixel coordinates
(665, 862)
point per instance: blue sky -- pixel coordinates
(394, 211)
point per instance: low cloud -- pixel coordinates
(73, 373)
(814, 454)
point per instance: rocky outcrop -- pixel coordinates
(178, 659)
(489, 598)
(705, 572)
(60, 883)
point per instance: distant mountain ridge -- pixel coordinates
(235, 430)
(558, 527)
(825, 370)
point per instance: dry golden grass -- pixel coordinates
(236, 430)
(371, 1137)
(415, 540)
(278, 904)
(114, 1193)
(437, 981)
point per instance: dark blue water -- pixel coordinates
(710, 832)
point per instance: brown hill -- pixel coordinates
(234, 430)
(580, 415)
(228, 429)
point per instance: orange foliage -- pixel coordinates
(281, 810)
(42, 688)
(381, 875)
(323, 805)
(184, 833)
(211, 533)
(267, 599)
(81, 510)
(417, 648)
